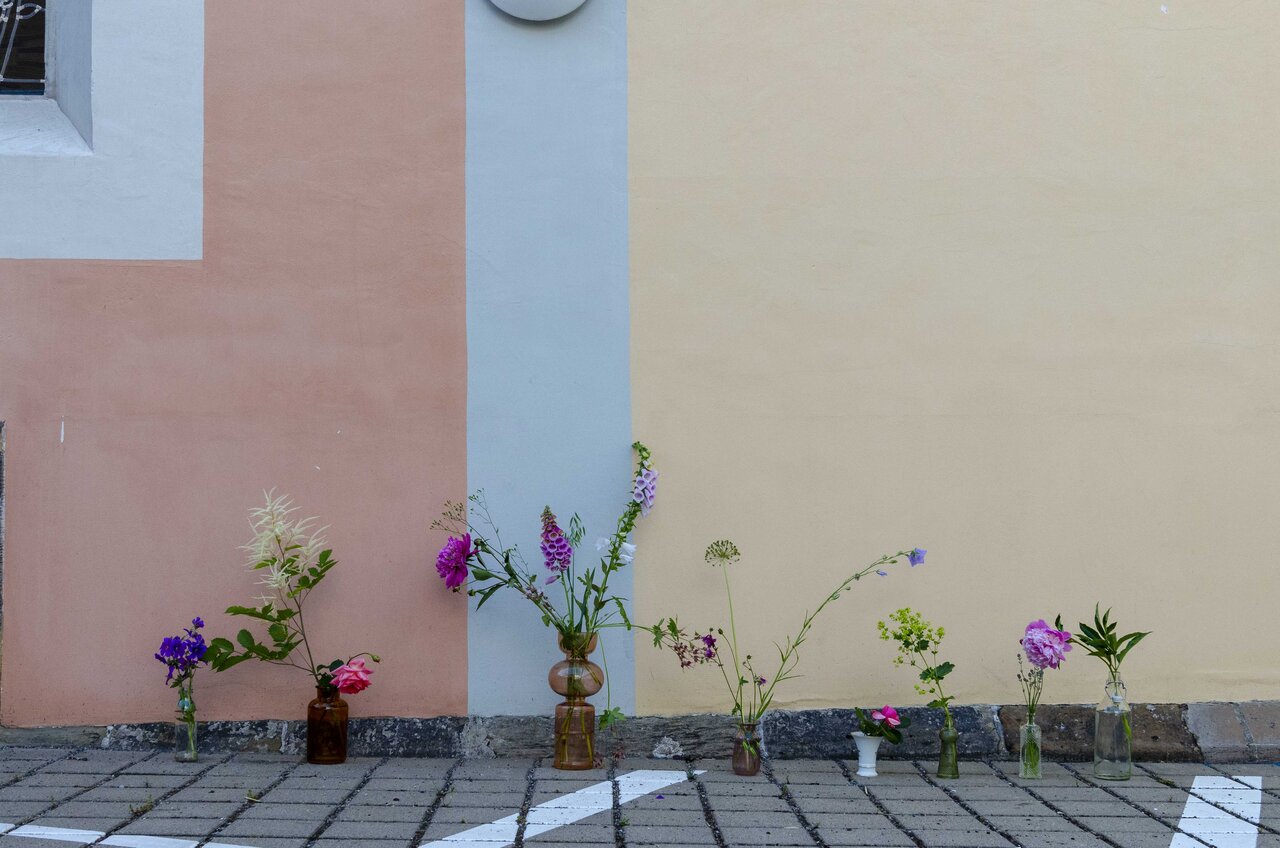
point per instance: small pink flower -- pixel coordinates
(888, 714)
(352, 677)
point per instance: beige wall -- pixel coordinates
(994, 279)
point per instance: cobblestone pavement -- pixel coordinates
(51, 797)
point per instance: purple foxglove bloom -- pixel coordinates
(916, 557)
(1044, 646)
(645, 489)
(451, 562)
(555, 547)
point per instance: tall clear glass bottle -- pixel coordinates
(1029, 739)
(184, 725)
(1113, 734)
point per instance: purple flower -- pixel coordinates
(451, 562)
(916, 557)
(645, 489)
(708, 646)
(1045, 647)
(882, 573)
(555, 547)
(197, 622)
(760, 681)
(182, 654)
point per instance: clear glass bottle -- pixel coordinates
(1029, 746)
(948, 755)
(1113, 734)
(184, 725)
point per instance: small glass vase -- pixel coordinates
(327, 728)
(184, 726)
(1029, 746)
(1113, 734)
(948, 756)
(746, 750)
(575, 678)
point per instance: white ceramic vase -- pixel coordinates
(867, 748)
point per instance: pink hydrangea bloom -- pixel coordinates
(1044, 646)
(352, 677)
(887, 714)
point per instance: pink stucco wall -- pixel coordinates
(318, 347)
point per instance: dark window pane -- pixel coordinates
(22, 25)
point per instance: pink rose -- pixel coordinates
(888, 714)
(352, 677)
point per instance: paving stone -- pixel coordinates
(962, 839)
(359, 843)
(792, 834)
(149, 826)
(883, 838)
(371, 830)
(16, 811)
(47, 794)
(268, 827)
(665, 834)
(405, 784)
(306, 796)
(471, 816)
(357, 813)
(58, 779)
(307, 812)
(386, 797)
(169, 809)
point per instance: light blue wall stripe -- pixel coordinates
(549, 398)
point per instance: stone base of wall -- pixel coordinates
(1211, 731)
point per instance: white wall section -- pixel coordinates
(127, 181)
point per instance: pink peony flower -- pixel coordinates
(888, 714)
(352, 677)
(451, 562)
(1045, 647)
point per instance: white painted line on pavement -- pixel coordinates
(126, 840)
(1217, 827)
(87, 837)
(566, 809)
(57, 834)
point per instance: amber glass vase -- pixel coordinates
(575, 678)
(327, 728)
(746, 750)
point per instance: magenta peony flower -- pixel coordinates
(555, 547)
(645, 490)
(352, 677)
(887, 714)
(1045, 647)
(452, 561)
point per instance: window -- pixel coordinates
(22, 51)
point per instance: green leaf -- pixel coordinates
(246, 640)
(941, 671)
(279, 633)
(622, 611)
(263, 614)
